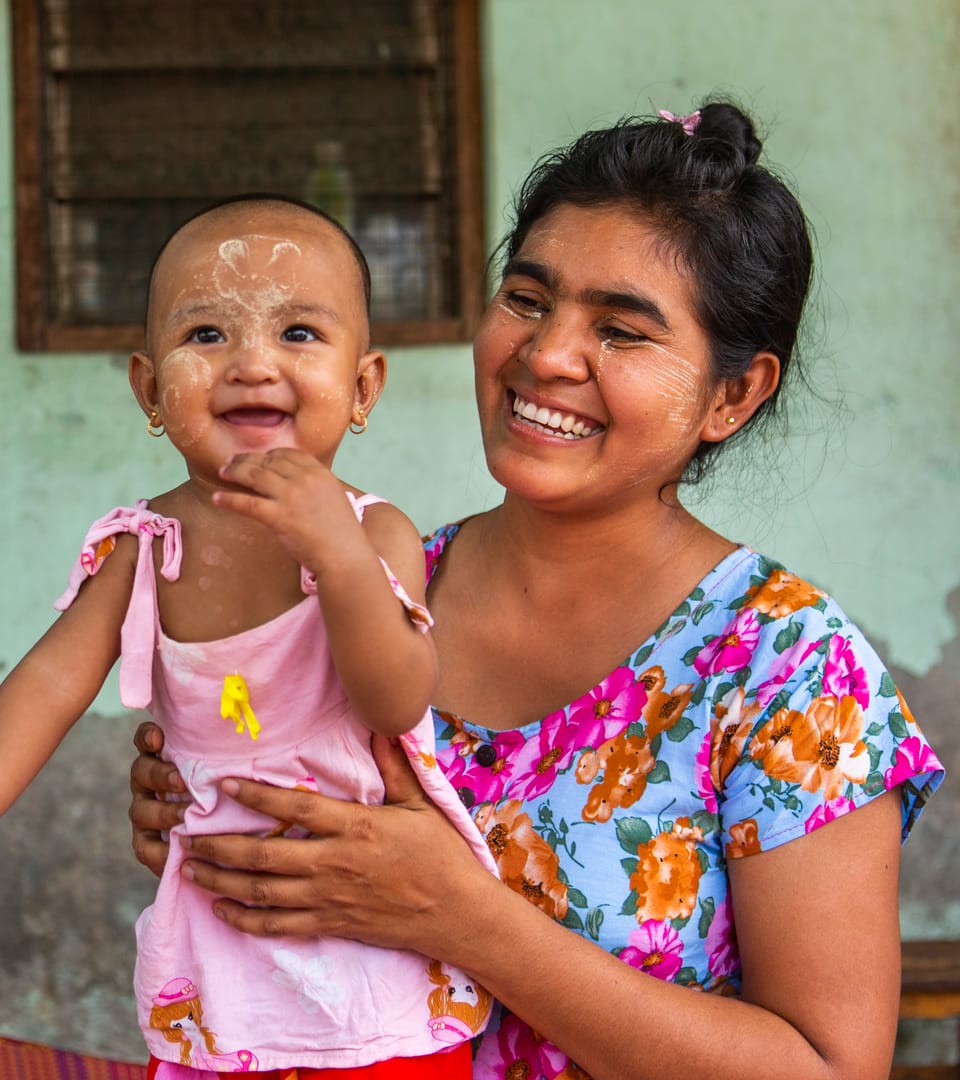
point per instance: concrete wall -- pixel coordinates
(859, 104)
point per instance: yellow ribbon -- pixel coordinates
(235, 706)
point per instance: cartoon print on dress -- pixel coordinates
(458, 1009)
(235, 705)
(310, 980)
(177, 1014)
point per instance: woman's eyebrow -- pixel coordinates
(625, 300)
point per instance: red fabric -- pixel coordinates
(456, 1064)
(28, 1061)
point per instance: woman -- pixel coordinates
(661, 734)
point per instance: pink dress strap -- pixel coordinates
(417, 613)
(138, 633)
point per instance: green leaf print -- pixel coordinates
(888, 688)
(630, 866)
(742, 677)
(691, 654)
(659, 774)
(897, 724)
(701, 611)
(681, 729)
(721, 691)
(788, 636)
(641, 655)
(834, 623)
(595, 922)
(875, 728)
(698, 691)
(697, 594)
(632, 832)
(630, 904)
(708, 909)
(576, 897)
(686, 976)
(706, 822)
(874, 752)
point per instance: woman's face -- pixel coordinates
(593, 376)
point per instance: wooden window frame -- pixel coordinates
(35, 333)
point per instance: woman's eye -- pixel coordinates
(525, 303)
(207, 335)
(298, 333)
(618, 335)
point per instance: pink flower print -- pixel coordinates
(732, 648)
(541, 757)
(843, 674)
(656, 948)
(723, 955)
(913, 758)
(701, 773)
(518, 1052)
(827, 811)
(781, 670)
(486, 782)
(608, 708)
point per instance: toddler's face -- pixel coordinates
(257, 338)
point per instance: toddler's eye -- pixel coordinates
(207, 335)
(298, 333)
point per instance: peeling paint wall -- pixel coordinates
(859, 105)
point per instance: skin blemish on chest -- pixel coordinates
(214, 555)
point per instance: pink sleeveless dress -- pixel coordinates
(267, 704)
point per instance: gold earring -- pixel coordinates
(155, 425)
(358, 427)
(731, 419)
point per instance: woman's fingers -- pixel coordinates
(269, 922)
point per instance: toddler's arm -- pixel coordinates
(387, 666)
(55, 683)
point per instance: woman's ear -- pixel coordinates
(738, 399)
(143, 382)
(371, 375)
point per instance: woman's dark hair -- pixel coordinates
(733, 225)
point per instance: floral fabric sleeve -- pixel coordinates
(812, 725)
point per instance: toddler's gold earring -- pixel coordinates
(358, 427)
(155, 425)
(731, 419)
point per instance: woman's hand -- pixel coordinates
(151, 779)
(397, 875)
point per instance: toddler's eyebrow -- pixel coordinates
(289, 309)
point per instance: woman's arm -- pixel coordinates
(816, 922)
(387, 666)
(56, 682)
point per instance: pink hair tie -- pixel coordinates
(688, 123)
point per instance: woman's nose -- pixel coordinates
(557, 349)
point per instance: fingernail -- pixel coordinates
(187, 871)
(230, 787)
(219, 914)
(186, 842)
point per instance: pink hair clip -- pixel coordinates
(688, 123)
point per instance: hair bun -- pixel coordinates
(724, 122)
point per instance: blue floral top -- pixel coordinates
(755, 714)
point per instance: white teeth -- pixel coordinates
(563, 425)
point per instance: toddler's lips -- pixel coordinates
(254, 417)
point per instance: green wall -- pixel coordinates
(859, 101)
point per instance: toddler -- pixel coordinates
(270, 617)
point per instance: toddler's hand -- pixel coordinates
(296, 496)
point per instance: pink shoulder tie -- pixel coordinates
(137, 635)
(417, 613)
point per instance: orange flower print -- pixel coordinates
(525, 860)
(730, 728)
(905, 709)
(626, 760)
(663, 709)
(744, 840)
(668, 872)
(821, 749)
(781, 594)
